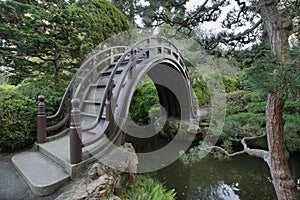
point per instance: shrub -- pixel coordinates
(232, 83)
(144, 98)
(44, 84)
(235, 102)
(253, 120)
(201, 90)
(18, 120)
(146, 189)
(18, 109)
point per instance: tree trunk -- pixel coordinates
(131, 12)
(56, 67)
(278, 155)
(278, 31)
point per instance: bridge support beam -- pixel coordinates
(75, 133)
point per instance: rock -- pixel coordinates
(122, 159)
(114, 198)
(77, 191)
(105, 177)
(95, 171)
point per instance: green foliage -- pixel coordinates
(143, 99)
(200, 89)
(235, 102)
(232, 83)
(44, 84)
(292, 132)
(18, 119)
(154, 12)
(170, 128)
(95, 21)
(244, 123)
(147, 189)
(199, 85)
(50, 37)
(252, 120)
(18, 109)
(245, 117)
(3, 79)
(271, 75)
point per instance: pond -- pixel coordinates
(240, 177)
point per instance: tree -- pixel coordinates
(53, 36)
(276, 19)
(128, 7)
(153, 12)
(150, 11)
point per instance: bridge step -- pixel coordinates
(104, 79)
(92, 102)
(93, 108)
(42, 175)
(109, 71)
(95, 93)
(59, 150)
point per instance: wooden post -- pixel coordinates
(148, 52)
(109, 114)
(75, 133)
(41, 120)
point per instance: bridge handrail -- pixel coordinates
(91, 71)
(108, 86)
(68, 91)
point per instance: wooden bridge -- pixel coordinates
(95, 107)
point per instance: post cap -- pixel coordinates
(41, 98)
(75, 102)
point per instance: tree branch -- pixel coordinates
(259, 153)
(252, 152)
(197, 16)
(241, 34)
(235, 37)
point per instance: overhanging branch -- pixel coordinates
(241, 34)
(252, 152)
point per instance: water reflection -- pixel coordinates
(242, 177)
(221, 191)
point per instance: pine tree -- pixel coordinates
(53, 36)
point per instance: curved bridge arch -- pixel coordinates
(97, 100)
(103, 88)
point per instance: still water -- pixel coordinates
(240, 177)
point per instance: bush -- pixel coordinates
(201, 90)
(146, 189)
(18, 109)
(44, 84)
(232, 83)
(253, 120)
(18, 119)
(144, 98)
(199, 85)
(235, 102)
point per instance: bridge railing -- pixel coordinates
(87, 68)
(141, 49)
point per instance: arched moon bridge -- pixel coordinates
(96, 105)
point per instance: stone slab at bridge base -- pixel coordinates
(45, 175)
